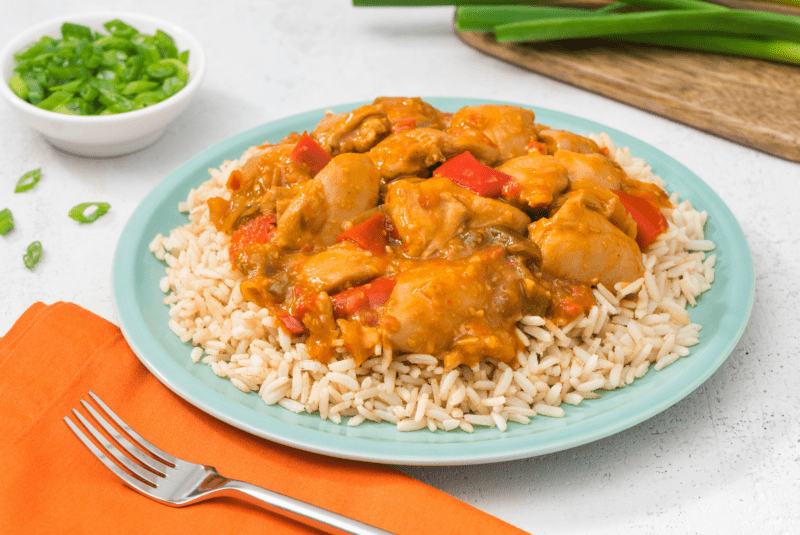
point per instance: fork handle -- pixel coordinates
(305, 513)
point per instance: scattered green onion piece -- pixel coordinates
(33, 255)
(28, 180)
(6, 221)
(78, 213)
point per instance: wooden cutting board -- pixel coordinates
(752, 102)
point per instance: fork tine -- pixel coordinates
(125, 476)
(126, 444)
(136, 436)
(146, 475)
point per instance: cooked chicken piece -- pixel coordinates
(605, 202)
(509, 128)
(355, 131)
(270, 167)
(556, 140)
(411, 112)
(337, 267)
(595, 168)
(411, 152)
(579, 243)
(429, 213)
(538, 179)
(470, 306)
(313, 213)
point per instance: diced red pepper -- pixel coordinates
(650, 222)
(570, 300)
(536, 146)
(404, 124)
(292, 324)
(260, 229)
(370, 234)
(363, 298)
(304, 302)
(466, 171)
(307, 152)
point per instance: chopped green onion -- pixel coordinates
(75, 31)
(18, 86)
(79, 212)
(67, 75)
(120, 29)
(6, 221)
(28, 180)
(33, 255)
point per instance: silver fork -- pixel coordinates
(178, 483)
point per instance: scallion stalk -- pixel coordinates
(728, 21)
(485, 18)
(771, 49)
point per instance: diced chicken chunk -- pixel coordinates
(315, 210)
(429, 213)
(579, 243)
(341, 265)
(509, 128)
(538, 180)
(411, 152)
(411, 112)
(556, 140)
(355, 131)
(468, 307)
(594, 168)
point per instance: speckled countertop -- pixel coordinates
(725, 460)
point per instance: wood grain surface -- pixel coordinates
(752, 102)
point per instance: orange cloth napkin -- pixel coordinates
(50, 483)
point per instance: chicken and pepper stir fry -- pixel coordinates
(399, 225)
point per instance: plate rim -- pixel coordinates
(405, 453)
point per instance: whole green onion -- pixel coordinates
(28, 180)
(33, 255)
(682, 20)
(6, 221)
(79, 213)
(67, 75)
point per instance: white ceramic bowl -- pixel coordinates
(106, 135)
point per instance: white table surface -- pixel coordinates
(725, 460)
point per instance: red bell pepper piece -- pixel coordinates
(370, 234)
(369, 296)
(650, 222)
(404, 124)
(307, 152)
(466, 171)
(292, 324)
(260, 229)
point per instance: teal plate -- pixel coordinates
(723, 312)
